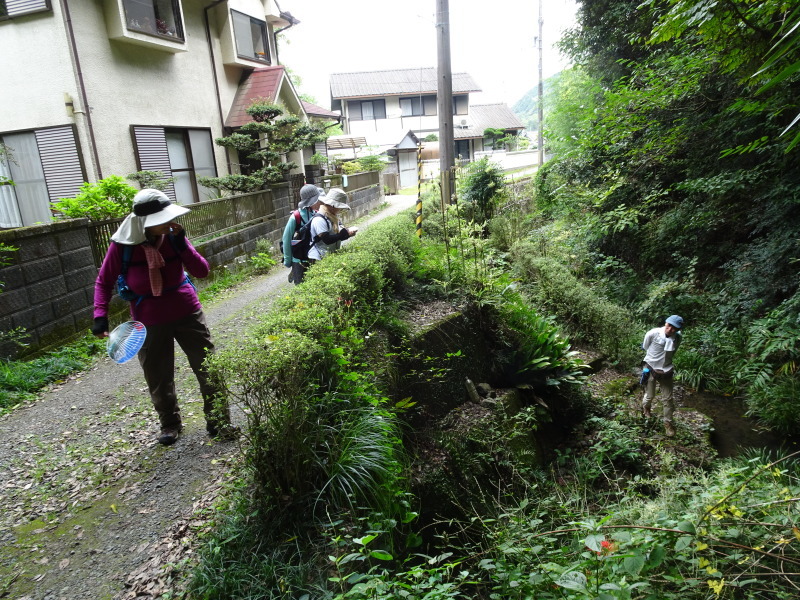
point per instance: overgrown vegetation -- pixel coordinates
(621, 516)
(371, 162)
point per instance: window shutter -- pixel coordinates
(15, 8)
(151, 151)
(61, 163)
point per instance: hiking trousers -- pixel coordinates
(157, 358)
(665, 382)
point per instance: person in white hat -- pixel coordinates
(147, 255)
(306, 209)
(660, 345)
(327, 232)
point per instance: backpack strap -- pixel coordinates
(127, 252)
(316, 238)
(298, 219)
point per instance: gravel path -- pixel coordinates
(91, 504)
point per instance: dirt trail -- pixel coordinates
(89, 500)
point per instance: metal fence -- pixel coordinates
(204, 219)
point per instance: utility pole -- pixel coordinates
(444, 95)
(540, 140)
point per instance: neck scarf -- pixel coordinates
(154, 264)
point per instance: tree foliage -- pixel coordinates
(262, 146)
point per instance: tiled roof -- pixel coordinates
(312, 110)
(395, 83)
(260, 83)
(483, 116)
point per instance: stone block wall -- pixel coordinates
(48, 282)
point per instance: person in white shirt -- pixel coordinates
(660, 345)
(327, 232)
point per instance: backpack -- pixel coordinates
(302, 242)
(127, 293)
(298, 222)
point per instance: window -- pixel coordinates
(366, 110)
(16, 8)
(154, 17)
(462, 149)
(251, 37)
(460, 105)
(416, 106)
(184, 154)
(45, 166)
(411, 107)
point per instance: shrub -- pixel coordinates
(319, 430)
(155, 180)
(109, 198)
(351, 167)
(480, 188)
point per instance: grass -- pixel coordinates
(20, 380)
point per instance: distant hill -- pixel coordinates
(527, 107)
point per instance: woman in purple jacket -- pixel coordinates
(166, 303)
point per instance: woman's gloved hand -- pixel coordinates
(180, 240)
(100, 327)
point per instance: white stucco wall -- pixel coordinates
(37, 71)
(392, 129)
(126, 84)
(134, 85)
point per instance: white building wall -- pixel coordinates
(37, 71)
(126, 84)
(392, 129)
(134, 85)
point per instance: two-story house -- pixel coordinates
(93, 88)
(385, 109)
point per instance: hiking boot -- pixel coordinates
(223, 433)
(291, 276)
(169, 435)
(669, 429)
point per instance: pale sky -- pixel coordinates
(493, 41)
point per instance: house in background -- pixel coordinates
(93, 88)
(389, 110)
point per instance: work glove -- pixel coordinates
(100, 326)
(180, 240)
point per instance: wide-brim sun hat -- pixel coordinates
(335, 198)
(676, 321)
(156, 207)
(309, 194)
